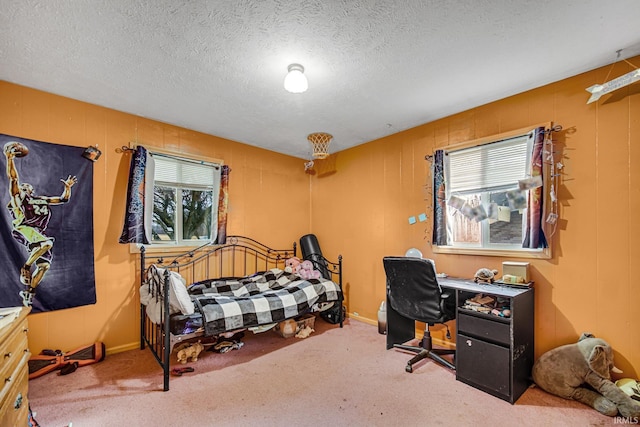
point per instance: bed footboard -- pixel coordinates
(239, 257)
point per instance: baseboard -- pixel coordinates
(418, 333)
(121, 348)
(362, 319)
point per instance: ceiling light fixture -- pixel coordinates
(295, 80)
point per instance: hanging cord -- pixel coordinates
(606, 79)
(618, 52)
(552, 217)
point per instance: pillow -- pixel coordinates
(154, 311)
(145, 295)
(179, 299)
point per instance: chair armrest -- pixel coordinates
(447, 301)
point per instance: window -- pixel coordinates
(484, 205)
(185, 200)
(480, 181)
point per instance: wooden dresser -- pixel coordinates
(14, 371)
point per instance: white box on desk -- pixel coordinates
(518, 269)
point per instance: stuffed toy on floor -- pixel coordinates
(582, 372)
(190, 352)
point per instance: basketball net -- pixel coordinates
(320, 142)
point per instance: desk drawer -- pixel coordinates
(496, 331)
(483, 365)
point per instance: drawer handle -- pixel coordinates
(25, 330)
(7, 380)
(7, 355)
(469, 343)
(18, 403)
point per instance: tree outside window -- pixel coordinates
(185, 201)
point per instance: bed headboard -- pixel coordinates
(238, 257)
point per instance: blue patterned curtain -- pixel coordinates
(135, 229)
(534, 234)
(439, 200)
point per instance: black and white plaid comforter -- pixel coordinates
(261, 299)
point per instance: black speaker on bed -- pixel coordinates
(311, 251)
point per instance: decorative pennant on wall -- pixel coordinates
(597, 91)
(46, 225)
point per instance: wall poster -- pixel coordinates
(46, 225)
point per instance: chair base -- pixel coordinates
(423, 353)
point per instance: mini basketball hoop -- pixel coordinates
(320, 142)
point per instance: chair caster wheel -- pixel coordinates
(408, 368)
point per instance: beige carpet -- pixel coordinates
(336, 377)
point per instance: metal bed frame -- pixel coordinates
(239, 257)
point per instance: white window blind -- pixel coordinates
(173, 170)
(489, 166)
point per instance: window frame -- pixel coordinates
(543, 253)
(173, 246)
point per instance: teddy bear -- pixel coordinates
(307, 271)
(581, 372)
(191, 351)
(292, 265)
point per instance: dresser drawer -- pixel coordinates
(494, 330)
(15, 406)
(14, 371)
(12, 350)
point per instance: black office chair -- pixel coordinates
(413, 293)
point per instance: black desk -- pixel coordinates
(493, 354)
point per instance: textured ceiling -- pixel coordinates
(375, 67)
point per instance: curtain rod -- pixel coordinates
(186, 160)
(125, 149)
(553, 128)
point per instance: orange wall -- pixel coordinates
(257, 176)
(590, 284)
(359, 201)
